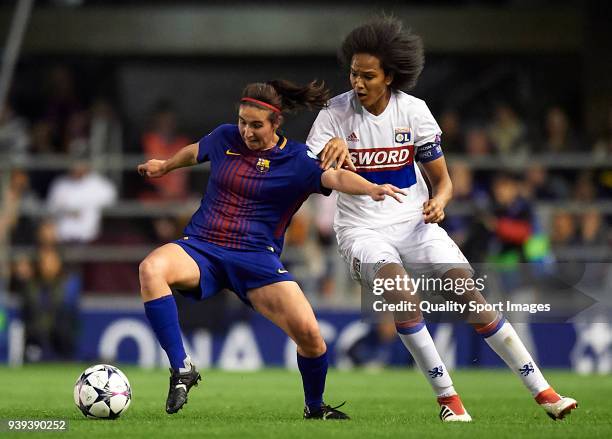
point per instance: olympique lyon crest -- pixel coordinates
(262, 165)
(402, 135)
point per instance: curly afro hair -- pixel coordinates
(400, 51)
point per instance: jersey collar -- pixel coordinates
(280, 145)
(382, 115)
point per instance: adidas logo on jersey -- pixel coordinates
(352, 137)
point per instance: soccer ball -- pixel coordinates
(102, 392)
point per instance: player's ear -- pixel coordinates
(277, 122)
(389, 78)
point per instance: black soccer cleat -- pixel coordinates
(326, 412)
(180, 383)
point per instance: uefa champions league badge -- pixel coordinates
(402, 135)
(437, 140)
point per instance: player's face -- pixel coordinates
(256, 129)
(370, 83)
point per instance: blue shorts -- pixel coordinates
(236, 270)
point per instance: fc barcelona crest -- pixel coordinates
(262, 165)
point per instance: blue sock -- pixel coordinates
(314, 371)
(163, 316)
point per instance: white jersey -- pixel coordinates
(384, 149)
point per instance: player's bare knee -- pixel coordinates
(151, 267)
(150, 270)
(309, 340)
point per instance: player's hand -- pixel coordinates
(152, 168)
(433, 211)
(336, 150)
(379, 191)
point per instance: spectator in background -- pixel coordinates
(592, 228)
(515, 238)
(10, 203)
(557, 133)
(562, 232)
(477, 142)
(94, 133)
(162, 140)
(46, 235)
(165, 229)
(14, 136)
(17, 195)
(42, 138)
(76, 134)
(49, 297)
(62, 103)
(584, 190)
(76, 201)
(507, 132)
(23, 231)
(513, 221)
(541, 185)
(450, 124)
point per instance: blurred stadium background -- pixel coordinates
(521, 89)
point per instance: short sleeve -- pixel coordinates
(321, 132)
(427, 140)
(310, 173)
(212, 141)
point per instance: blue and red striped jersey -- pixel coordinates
(252, 195)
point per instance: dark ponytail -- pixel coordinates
(312, 96)
(286, 96)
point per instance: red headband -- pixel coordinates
(262, 103)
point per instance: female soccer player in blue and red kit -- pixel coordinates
(259, 179)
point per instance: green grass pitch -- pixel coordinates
(392, 403)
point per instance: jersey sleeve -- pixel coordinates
(427, 140)
(212, 142)
(309, 173)
(321, 132)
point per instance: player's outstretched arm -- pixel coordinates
(336, 150)
(187, 156)
(354, 184)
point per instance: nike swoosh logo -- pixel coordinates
(281, 271)
(229, 152)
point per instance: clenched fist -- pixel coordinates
(152, 168)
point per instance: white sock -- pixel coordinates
(187, 363)
(507, 344)
(418, 341)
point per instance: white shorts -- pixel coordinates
(422, 249)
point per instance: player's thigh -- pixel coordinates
(367, 251)
(284, 304)
(430, 251)
(173, 265)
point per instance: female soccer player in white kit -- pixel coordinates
(381, 132)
